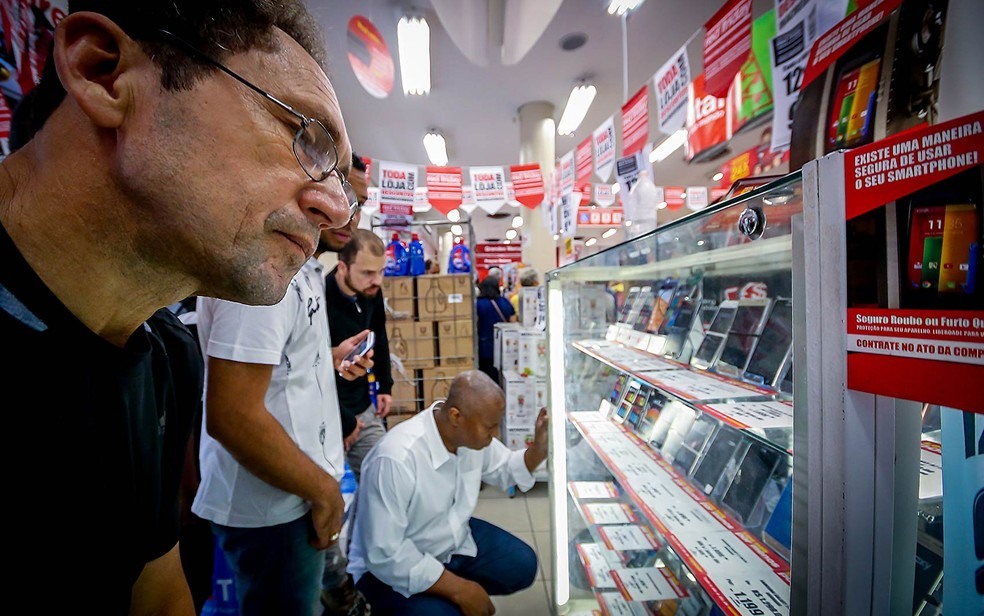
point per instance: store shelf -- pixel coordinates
(739, 573)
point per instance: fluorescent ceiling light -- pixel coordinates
(577, 107)
(413, 35)
(454, 215)
(556, 236)
(661, 205)
(456, 229)
(510, 234)
(717, 176)
(620, 7)
(609, 233)
(668, 146)
(517, 222)
(591, 241)
(505, 241)
(437, 148)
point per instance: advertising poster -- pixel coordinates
(708, 123)
(568, 214)
(369, 57)
(750, 95)
(627, 171)
(604, 149)
(568, 173)
(932, 341)
(527, 181)
(670, 84)
(603, 194)
(444, 187)
(397, 184)
(635, 122)
(599, 216)
(489, 187)
(727, 41)
(583, 159)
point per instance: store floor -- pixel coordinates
(526, 516)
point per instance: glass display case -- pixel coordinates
(671, 394)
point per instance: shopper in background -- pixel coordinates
(127, 197)
(271, 453)
(432, 267)
(332, 239)
(528, 278)
(416, 549)
(490, 308)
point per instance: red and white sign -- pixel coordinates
(696, 197)
(444, 187)
(397, 183)
(527, 181)
(487, 255)
(369, 57)
(939, 335)
(671, 82)
(675, 197)
(842, 37)
(604, 149)
(582, 164)
(567, 173)
(727, 41)
(902, 164)
(603, 194)
(599, 216)
(708, 122)
(489, 186)
(635, 122)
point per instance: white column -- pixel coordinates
(537, 134)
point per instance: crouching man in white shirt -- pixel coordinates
(416, 549)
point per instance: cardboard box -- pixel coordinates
(525, 396)
(532, 355)
(532, 307)
(456, 342)
(406, 398)
(413, 342)
(506, 346)
(445, 296)
(398, 293)
(435, 383)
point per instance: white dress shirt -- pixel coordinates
(292, 336)
(415, 501)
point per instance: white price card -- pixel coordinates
(608, 513)
(722, 553)
(585, 416)
(648, 584)
(755, 595)
(681, 516)
(653, 364)
(614, 604)
(695, 386)
(930, 470)
(597, 560)
(765, 414)
(586, 490)
(624, 537)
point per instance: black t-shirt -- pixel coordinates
(96, 442)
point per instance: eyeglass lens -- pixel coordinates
(315, 150)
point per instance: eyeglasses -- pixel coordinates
(314, 148)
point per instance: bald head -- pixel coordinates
(472, 412)
(473, 390)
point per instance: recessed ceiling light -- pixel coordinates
(717, 176)
(510, 234)
(556, 236)
(517, 222)
(609, 233)
(505, 241)
(591, 241)
(456, 229)
(454, 215)
(616, 187)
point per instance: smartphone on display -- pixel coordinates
(694, 443)
(750, 316)
(633, 391)
(735, 353)
(711, 465)
(771, 356)
(840, 109)
(710, 348)
(362, 348)
(754, 472)
(778, 533)
(861, 120)
(683, 320)
(944, 248)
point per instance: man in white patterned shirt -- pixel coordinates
(416, 549)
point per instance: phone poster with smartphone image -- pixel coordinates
(917, 332)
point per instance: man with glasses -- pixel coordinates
(155, 170)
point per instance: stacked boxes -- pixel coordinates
(431, 331)
(505, 355)
(525, 396)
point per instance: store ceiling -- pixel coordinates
(476, 107)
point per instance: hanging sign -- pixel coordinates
(604, 149)
(420, 202)
(696, 197)
(599, 216)
(372, 198)
(397, 183)
(750, 95)
(369, 57)
(567, 173)
(568, 214)
(550, 216)
(842, 37)
(627, 171)
(675, 197)
(603, 194)
(727, 41)
(635, 122)
(670, 83)
(494, 254)
(444, 187)
(468, 199)
(489, 186)
(527, 181)
(708, 122)
(582, 165)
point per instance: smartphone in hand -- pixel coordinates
(361, 349)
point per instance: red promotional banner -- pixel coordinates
(369, 57)
(444, 187)
(727, 41)
(583, 164)
(527, 181)
(841, 37)
(902, 164)
(599, 216)
(708, 125)
(635, 122)
(487, 255)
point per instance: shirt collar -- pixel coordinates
(438, 452)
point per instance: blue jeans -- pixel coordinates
(504, 565)
(277, 570)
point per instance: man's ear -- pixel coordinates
(454, 415)
(92, 56)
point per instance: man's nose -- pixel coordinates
(324, 203)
